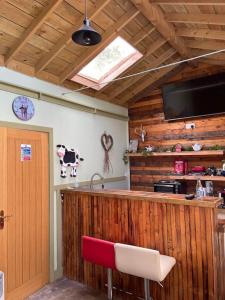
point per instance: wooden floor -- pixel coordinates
(68, 290)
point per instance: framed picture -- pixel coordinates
(133, 146)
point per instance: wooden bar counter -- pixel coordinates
(185, 229)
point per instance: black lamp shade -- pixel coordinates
(86, 35)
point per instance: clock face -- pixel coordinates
(23, 108)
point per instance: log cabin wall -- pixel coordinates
(163, 134)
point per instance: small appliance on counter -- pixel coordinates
(172, 187)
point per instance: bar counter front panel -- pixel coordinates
(186, 230)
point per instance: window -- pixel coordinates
(118, 56)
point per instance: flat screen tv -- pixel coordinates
(199, 97)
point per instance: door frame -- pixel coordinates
(48, 130)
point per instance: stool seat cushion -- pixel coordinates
(143, 262)
(98, 251)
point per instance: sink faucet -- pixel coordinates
(92, 179)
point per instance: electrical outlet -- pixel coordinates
(190, 125)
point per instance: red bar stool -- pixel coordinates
(102, 253)
(142, 262)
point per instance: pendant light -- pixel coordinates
(86, 35)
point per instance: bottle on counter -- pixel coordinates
(209, 188)
(200, 192)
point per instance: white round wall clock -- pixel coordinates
(23, 108)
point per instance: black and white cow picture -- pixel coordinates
(68, 158)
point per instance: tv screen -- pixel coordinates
(199, 97)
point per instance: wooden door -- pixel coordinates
(24, 197)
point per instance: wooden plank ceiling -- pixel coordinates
(35, 39)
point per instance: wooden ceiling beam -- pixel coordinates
(66, 39)
(107, 37)
(219, 56)
(158, 83)
(129, 82)
(205, 45)
(143, 83)
(214, 62)
(208, 19)
(35, 24)
(201, 33)
(155, 15)
(28, 70)
(189, 2)
(141, 35)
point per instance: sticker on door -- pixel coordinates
(25, 152)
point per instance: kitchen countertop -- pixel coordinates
(149, 196)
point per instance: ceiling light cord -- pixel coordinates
(148, 70)
(85, 10)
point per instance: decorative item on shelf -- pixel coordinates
(68, 158)
(180, 167)
(197, 147)
(140, 131)
(211, 171)
(215, 147)
(86, 35)
(125, 157)
(23, 108)
(198, 171)
(133, 146)
(188, 148)
(178, 148)
(223, 166)
(107, 144)
(149, 148)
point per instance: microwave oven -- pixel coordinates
(172, 187)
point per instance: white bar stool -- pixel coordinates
(142, 262)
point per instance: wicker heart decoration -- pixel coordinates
(107, 142)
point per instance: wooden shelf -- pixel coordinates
(192, 177)
(207, 153)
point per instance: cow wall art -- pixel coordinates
(68, 158)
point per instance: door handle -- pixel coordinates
(2, 219)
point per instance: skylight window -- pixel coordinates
(118, 56)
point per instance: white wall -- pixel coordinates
(77, 129)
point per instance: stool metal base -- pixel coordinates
(110, 287)
(147, 291)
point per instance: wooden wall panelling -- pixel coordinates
(187, 233)
(160, 133)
